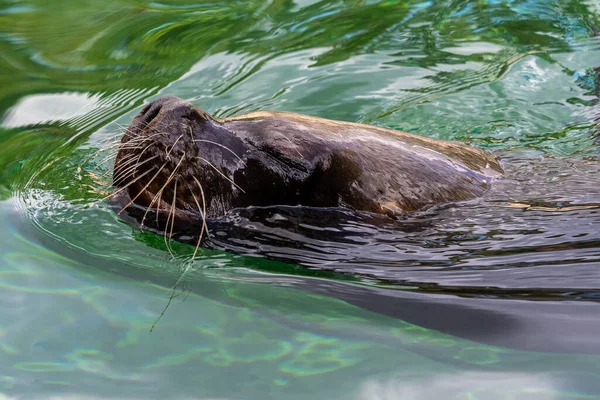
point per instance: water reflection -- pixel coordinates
(46, 108)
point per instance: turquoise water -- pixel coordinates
(493, 300)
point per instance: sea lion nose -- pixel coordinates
(151, 111)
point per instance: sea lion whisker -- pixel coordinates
(158, 204)
(171, 297)
(128, 178)
(118, 169)
(126, 173)
(109, 157)
(129, 184)
(165, 235)
(128, 160)
(105, 146)
(95, 153)
(105, 159)
(171, 212)
(118, 142)
(122, 130)
(221, 145)
(221, 173)
(203, 213)
(130, 171)
(115, 146)
(107, 154)
(153, 135)
(136, 146)
(150, 182)
(170, 250)
(116, 137)
(154, 199)
(124, 181)
(173, 146)
(136, 141)
(185, 289)
(133, 143)
(173, 208)
(143, 151)
(150, 206)
(126, 130)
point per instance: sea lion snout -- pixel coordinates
(151, 111)
(167, 113)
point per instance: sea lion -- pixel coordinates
(177, 166)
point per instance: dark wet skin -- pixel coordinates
(198, 163)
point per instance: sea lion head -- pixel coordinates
(176, 157)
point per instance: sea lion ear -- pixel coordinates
(392, 209)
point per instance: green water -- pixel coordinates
(81, 290)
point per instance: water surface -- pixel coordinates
(492, 299)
